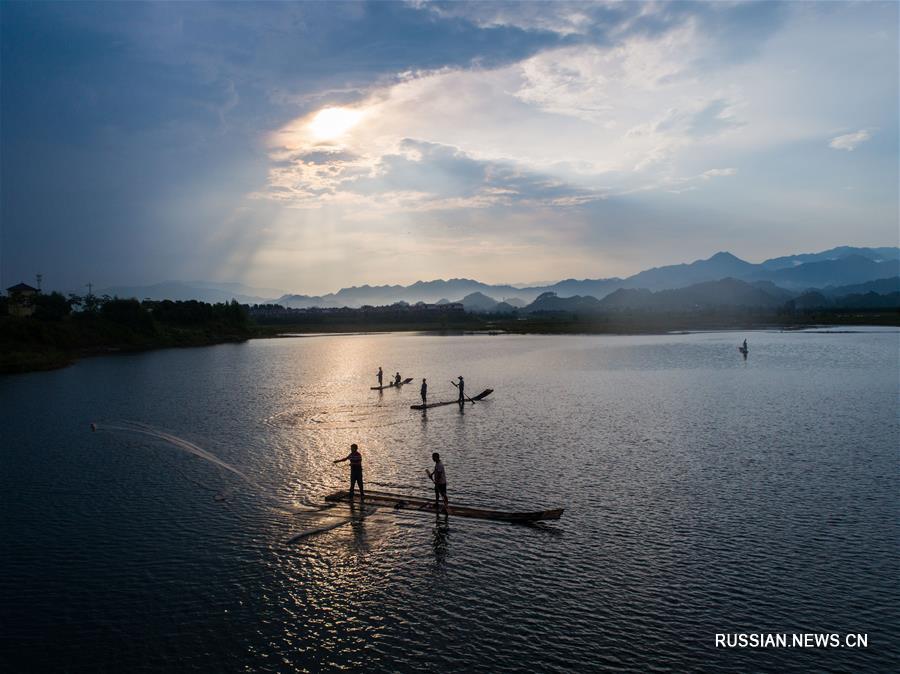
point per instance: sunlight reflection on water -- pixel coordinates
(703, 493)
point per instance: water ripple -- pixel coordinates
(703, 494)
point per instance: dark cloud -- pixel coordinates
(131, 132)
(324, 157)
(113, 111)
(739, 29)
(445, 172)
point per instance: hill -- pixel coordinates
(874, 254)
(843, 271)
(478, 303)
(550, 302)
(882, 286)
(841, 266)
(720, 265)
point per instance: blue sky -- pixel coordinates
(311, 146)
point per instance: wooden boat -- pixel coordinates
(402, 502)
(392, 385)
(481, 396)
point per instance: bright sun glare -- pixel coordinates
(329, 123)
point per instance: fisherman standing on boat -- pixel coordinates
(424, 392)
(439, 477)
(462, 389)
(397, 379)
(355, 459)
(380, 375)
(745, 345)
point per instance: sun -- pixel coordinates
(330, 123)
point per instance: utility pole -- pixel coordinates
(90, 287)
(39, 277)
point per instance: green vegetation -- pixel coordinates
(622, 321)
(63, 329)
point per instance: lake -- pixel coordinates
(704, 494)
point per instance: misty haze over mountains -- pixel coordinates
(778, 279)
(836, 267)
(204, 291)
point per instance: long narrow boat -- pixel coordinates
(402, 502)
(391, 385)
(481, 396)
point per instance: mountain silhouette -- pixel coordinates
(782, 277)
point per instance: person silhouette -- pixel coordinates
(439, 477)
(462, 389)
(356, 472)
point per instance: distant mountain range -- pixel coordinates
(204, 291)
(876, 254)
(780, 278)
(728, 293)
(835, 267)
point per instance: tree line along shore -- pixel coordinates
(62, 329)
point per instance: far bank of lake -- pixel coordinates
(31, 344)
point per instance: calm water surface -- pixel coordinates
(703, 494)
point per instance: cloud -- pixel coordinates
(497, 123)
(646, 108)
(709, 118)
(563, 18)
(735, 30)
(592, 83)
(849, 141)
(561, 127)
(715, 173)
(415, 176)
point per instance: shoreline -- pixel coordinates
(24, 361)
(53, 359)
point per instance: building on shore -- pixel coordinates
(21, 299)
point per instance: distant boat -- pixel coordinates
(402, 502)
(391, 385)
(744, 349)
(484, 394)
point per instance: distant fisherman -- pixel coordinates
(424, 392)
(380, 375)
(439, 477)
(745, 345)
(462, 389)
(397, 379)
(355, 459)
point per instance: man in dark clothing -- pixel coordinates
(439, 477)
(397, 379)
(380, 375)
(424, 392)
(355, 459)
(462, 389)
